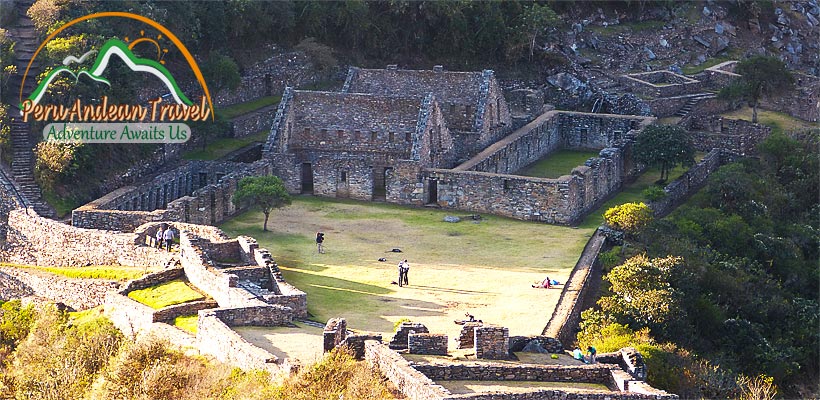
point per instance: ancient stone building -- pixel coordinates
(346, 144)
(443, 138)
(472, 102)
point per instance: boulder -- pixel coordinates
(451, 218)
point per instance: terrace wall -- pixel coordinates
(688, 183)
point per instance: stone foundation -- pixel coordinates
(492, 342)
(399, 341)
(427, 343)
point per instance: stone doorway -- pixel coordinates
(379, 183)
(432, 192)
(307, 178)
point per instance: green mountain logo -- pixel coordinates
(114, 47)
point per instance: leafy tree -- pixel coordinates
(665, 146)
(44, 14)
(642, 293)
(221, 72)
(320, 54)
(759, 76)
(629, 217)
(266, 192)
(537, 18)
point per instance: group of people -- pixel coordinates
(404, 268)
(164, 237)
(590, 357)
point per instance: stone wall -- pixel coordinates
(334, 334)
(803, 102)
(412, 383)
(269, 77)
(46, 242)
(680, 189)
(253, 123)
(427, 343)
(563, 324)
(217, 339)
(399, 341)
(551, 345)
(735, 135)
(466, 338)
(492, 342)
(199, 192)
(79, 294)
(592, 373)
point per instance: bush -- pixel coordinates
(629, 217)
(653, 193)
(610, 258)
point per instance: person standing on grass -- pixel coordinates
(401, 273)
(169, 238)
(159, 236)
(406, 270)
(320, 238)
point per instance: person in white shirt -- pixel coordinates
(169, 238)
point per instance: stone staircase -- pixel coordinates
(22, 165)
(692, 102)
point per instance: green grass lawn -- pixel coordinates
(779, 122)
(631, 193)
(166, 294)
(236, 110)
(220, 147)
(558, 163)
(187, 323)
(485, 269)
(108, 272)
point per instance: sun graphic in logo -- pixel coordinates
(161, 52)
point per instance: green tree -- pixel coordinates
(629, 217)
(759, 76)
(221, 72)
(664, 146)
(642, 293)
(266, 192)
(537, 18)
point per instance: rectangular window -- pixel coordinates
(373, 136)
(452, 108)
(357, 134)
(344, 176)
(468, 110)
(340, 133)
(408, 136)
(391, 137)
(307, 131)
(506, 185)
(324, 133)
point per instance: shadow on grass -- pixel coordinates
(446, 290)
(360, 303)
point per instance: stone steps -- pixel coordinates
(691, 103)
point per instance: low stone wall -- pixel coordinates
(735, 135)
(412, 383)
(265, 315)
(46, 242)
(661, 83)
(427, 343)
(79, 294)
(153, 279)
(399, 341)
(253, 123)
(129, 316)
(198, 192)
(168, 314)
(492, 342)
(592, 373)
(688, 183)
(217, 339)
(563, 323)
(551, 345)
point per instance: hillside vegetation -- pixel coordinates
(722, 295)
(50, 354)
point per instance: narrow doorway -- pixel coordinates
(432, 192)
(379, 183)
(307, 178)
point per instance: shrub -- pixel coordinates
(610, 258)
(399, 322)
(629, 217)
(653, 193)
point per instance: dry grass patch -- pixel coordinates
(485, 268)
(301, 342)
